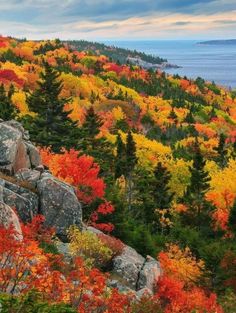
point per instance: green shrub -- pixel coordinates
(31, 303)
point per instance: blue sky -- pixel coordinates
(118, 19)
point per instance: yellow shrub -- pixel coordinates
(89, 247)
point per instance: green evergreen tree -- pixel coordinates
(131, 161)
(120, 160)
(144, 202)
(232, 218)
(92, 97)
(221, 151)
(52, 126)
(189, 118)
(199, 185)
(7, 110)
(99, 148)
(161, 194)
(160, 188)
(173, 115)
(213, 113)
(90, 130)
(131, 158)
(11, 91)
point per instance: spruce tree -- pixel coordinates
(213, 113)
(144, 202)
(199, 185)
(99, 148)
(11, 91)
(161, 194)
(173, 115)
(160, 189)
(90, 130)
(189, 118)
(7, 110)
(120, 160)
(131, 158)
(131, 161)
(52, 126)
(232, 218)
(221, 151)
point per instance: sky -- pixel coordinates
(118, 19)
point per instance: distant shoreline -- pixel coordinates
(218, 42)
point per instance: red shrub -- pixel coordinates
(112, 243)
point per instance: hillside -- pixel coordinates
(149, 161)
(116, 54)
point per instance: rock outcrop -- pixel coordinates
(16, 151)
(25, 187)
(58, 204)
(30, 190)
(135, 271)
(128, 266)
(8, 217)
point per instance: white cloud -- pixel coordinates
(98, 19)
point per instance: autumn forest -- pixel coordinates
(152, 159)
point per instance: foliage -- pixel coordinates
(89, 246)
(199, 185)
(181, 264)
(7, 110)
(51, 124)
(78, 170)
(110, 126)
(179, 299)
(115, 245)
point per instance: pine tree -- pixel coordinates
(99, 148)
(213, 113)
(131, 158)
(92, 97)
(11, 91)
(232, 218)
(90, 130)
(221, 151)
(199, 185)
(7, 110)
(120, 160)
(189, 118)
(144, 202)
(161, 194)
(173, 115)
(131, 161)
(160, 189)
(52, 126)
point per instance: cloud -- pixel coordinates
(98, 19)
(180, 23)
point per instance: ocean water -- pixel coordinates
(212, 62)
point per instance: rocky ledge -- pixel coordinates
(147, 65)
(28, 189)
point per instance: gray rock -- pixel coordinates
(40, 168)
(30, 176)
(143, 292)
(59, 205)
(23, 200)
(128, 265)
(13, 154)
(34, 156)
(16, 125)
(149, 274)
(8, 217)
(92, 230)
(113, 283)
(63, 248)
